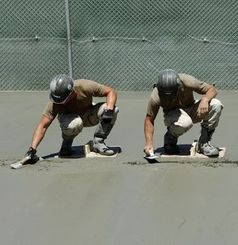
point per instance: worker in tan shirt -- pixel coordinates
(72, 102)
(174, 93)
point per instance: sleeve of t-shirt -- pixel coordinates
(93, 88)
(50, 111)
(153, 104)
(196, 85)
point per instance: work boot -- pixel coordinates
(99, 146)
(207, 149)
(171, 149)
(66, 148)
(204, 146)
(170, 144)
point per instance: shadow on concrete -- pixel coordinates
(77, 152)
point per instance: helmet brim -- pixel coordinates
(169, 94)
(59, 99)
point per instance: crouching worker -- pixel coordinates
(174, 93)
(72, 102)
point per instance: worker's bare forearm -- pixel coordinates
(40, 131)
(148, 130)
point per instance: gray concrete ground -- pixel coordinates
(122, 200)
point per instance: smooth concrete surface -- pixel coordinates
(122, 200)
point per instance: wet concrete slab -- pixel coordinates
(121, 200)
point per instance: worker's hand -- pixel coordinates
(31, 154)
(203, 107)
(148, 150)
(107, 115)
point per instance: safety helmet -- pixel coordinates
(61, 88)
(168, 83)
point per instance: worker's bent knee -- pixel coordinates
(71, 125)
(216, 105)
(181, 127)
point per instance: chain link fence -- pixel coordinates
(120, 43)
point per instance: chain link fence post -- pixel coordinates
(69, 40)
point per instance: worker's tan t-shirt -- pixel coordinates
(185, 96)
(85, 91)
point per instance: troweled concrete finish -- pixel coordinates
(122, 200)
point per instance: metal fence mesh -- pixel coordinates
(121, 43)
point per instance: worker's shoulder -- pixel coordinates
(83, 81)
(189, 80)
(185, 76)
(154, 96)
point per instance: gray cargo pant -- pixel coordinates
(179, 121)
(72, 124)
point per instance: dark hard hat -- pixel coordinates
(60, 88)
(168, 82)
